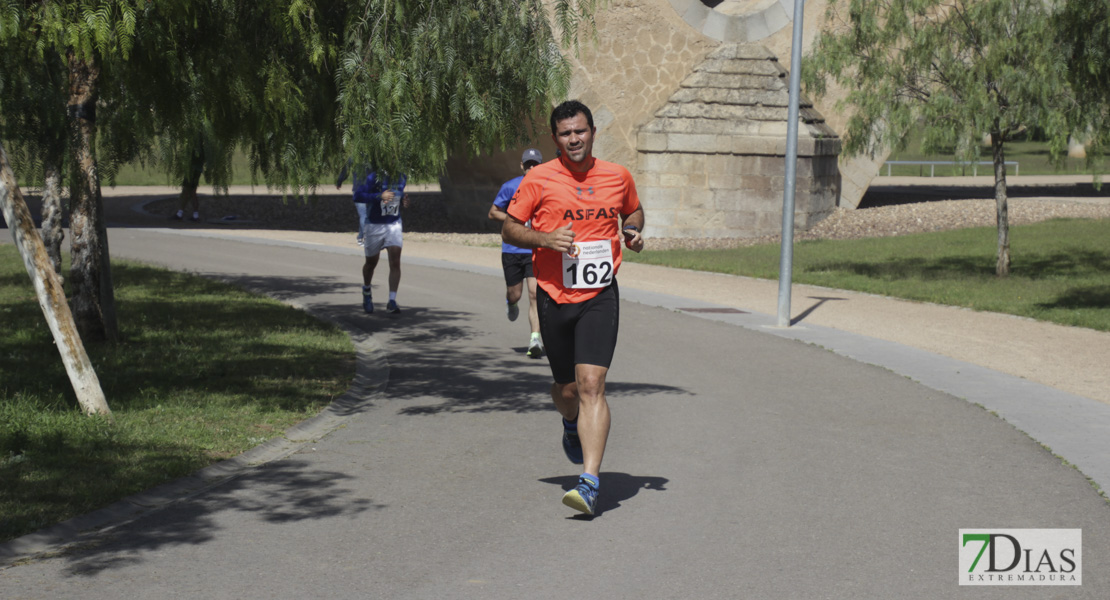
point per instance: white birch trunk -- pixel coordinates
(48, 289)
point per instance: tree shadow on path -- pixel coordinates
(277, 493)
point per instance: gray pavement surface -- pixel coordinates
(745, 461)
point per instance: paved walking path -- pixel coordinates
(744, 464)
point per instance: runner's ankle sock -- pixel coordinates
(571, 425)
(365, 290)
(393, 296)
(535, 340)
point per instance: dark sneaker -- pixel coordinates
(535, 350)
(177, 216)
(195, 217)
(583, 497)
(514, 311)
(392, 307)
(367, 302)
(572, 446)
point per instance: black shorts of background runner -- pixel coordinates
(584, 333)
(517, 266)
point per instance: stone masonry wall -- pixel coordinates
(856, 172)
(712, 162)
(642, 52)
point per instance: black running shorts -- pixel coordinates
(579, 334)
(517, 266)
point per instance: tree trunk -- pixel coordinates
(51, 297)
(90, 271)
(191, 181)
(1002, 265)
(53, 215)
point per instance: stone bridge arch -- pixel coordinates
(648, 57)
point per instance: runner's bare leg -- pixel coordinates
(514, 292)
(533, 309)
(585, 399)
(368, 268)
(394, 253)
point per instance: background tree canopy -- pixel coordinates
(1083, 32)
(419, 80)
(955, 71)
(301, 85)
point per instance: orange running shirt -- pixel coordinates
(593, 202)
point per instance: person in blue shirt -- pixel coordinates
(379, 198)
(517, 262)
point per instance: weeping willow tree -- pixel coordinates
(208, 78)
(1083, 32)
(301, 85)
(954, 70)
(420, 79)
(32, 88)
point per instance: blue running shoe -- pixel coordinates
(572, 446)
(583, 497)
(367, 302)
(392, 307)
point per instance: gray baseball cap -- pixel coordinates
(531, 155)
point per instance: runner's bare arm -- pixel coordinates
(496, 214)
(515, 233)
(635, 243)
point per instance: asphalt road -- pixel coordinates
(740, 465)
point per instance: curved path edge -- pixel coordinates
(371, 377)
(1075, 428)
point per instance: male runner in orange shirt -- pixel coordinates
(580, 208)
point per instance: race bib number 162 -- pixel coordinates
(588, 265)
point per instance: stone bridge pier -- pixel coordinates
(712, 161)
(692, 97)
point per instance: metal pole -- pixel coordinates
(786, 259)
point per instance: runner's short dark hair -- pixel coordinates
(568, 110)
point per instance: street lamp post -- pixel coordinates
(786, 258)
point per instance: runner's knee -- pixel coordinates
(567, 391)
(590, 384)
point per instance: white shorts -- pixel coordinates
(376, 236)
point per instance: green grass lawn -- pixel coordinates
(136, 174)
(1032, 158)
(1060, 269)
(205, 371)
